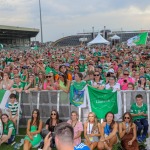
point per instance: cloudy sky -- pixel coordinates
(67, 17)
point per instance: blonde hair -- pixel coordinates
(95, 125)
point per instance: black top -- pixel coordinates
(51, 128)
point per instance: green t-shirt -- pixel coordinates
(7, 60)
(20, 85)
(9, 125)
(82, 68)
(135, 109)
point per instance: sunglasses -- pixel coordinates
(126, 117)
(53, 114)
(48, 76)
(76, 68)
(126, 74)
(96, 74)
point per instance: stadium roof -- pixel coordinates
(12, 32)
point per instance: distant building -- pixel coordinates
(16, 36)
(74, 40)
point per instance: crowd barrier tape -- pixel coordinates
(46, 101)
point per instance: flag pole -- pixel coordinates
(41, 21)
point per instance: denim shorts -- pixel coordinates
(11, 139)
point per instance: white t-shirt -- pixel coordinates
(115, 87)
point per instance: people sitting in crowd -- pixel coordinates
(139, 114)
(109, 129)
(92, 131)
(77, 127)
(9, 131)
(53, 121)
(34, 128)
(64, 139)
(127, 133)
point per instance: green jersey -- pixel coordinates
(20, 85)
(8, 126)
(135, 109)
(82, 68)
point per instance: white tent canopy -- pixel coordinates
(98, 40)
(115, 37)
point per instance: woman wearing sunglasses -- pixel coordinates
(98, 82)
(49, 83)
(127, 132)
(52, 121)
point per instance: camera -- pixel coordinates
(53, 145)
(125, 81)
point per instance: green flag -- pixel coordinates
(77, 94)
(102, 101)
(140, 39)
(4, 96)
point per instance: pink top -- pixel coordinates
(78, 127)
(49, 84)
(124, 85)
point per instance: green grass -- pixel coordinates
(22, 132)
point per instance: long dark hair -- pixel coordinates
(37, 119)
(113, 122)
(57, 118)
(123, 117)
(3, 122)
(64, 75)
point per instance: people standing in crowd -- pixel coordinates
(49, 83)
(92, 131)
(139, 114)
(34, 128)
(9, 131)
(109, 129)
(53, 121)
(125, 80)
(98, 82)
(6, 83)
(77, 127)
(127, 133)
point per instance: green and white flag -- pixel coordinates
(102, 101)
(77, 94)
(4, 96)
(140, 39)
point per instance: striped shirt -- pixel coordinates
(13, 108)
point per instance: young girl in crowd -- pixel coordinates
(34, 128)
(92, 130)
(77, 127)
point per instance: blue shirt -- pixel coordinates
(81, 146)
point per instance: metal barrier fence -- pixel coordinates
(46, 101)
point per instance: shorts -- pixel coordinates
(11, 139)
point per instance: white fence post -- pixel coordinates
(124, 101)
(38, 99)
(19, 101)
(148, 109)
(79, 114)
(58, 100)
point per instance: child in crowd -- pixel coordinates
(139, 114)
(13, 107)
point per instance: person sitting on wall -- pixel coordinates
(139, 114)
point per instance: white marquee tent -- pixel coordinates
(98, 40)
(115, 37)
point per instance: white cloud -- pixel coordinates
(66, 17)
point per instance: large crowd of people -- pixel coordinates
(102, 67)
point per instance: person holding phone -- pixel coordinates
(127, 133)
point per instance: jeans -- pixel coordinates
(142, 124)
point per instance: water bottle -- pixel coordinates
(127, 126)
